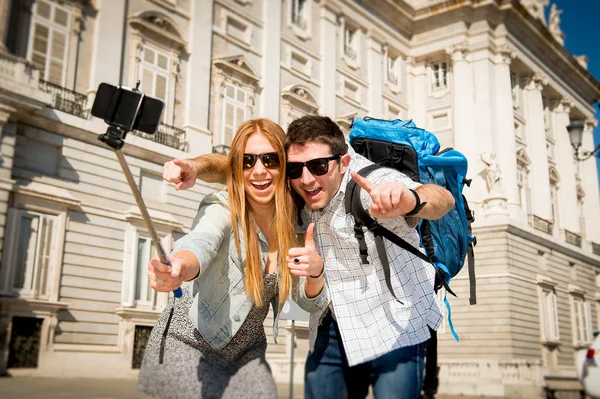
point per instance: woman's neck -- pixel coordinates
(264, 215)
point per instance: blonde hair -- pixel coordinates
(284, 211)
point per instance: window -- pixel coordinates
(235, 105)
(144, 295)
(438, 76)
(49, 41)
(582, 320)
(549, 315)
(32, 253)
(154, 74)
(350, 43)
(139, 250)
(299, 16)
(392, 69)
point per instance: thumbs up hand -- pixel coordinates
(390, 199)
(305, 261)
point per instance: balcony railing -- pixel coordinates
(168, 135)
(572, 238)
(66, 100)
(596, 249)
(221, 149)
(542, 224)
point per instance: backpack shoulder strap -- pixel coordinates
(362, 218)
(471, 255)
(353, 205)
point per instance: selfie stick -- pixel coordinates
(114, 139)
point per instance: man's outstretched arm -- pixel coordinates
(394, 199)
(183, 172)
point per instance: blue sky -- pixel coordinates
(579, 22)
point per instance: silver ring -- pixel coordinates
(296, 260)
(159, 282)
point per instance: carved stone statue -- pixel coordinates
(554, 24)
(492, 173)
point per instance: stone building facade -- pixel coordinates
(490, 78)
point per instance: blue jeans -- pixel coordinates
(395, 375)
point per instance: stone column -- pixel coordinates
(198, 78)
(108, 37)
(503, 141)
(565, 164)
(328, 25)
(589, 181)
(539, 177)
(271, 70)
(417, 91)
(462, 93)
(375, 78)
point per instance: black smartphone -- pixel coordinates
(126, 108)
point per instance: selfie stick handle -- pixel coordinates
(145, 215)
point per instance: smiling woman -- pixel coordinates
(216, 344)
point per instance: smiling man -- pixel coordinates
(360, 335)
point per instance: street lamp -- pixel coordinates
(575, 130)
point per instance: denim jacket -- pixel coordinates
(220, 304)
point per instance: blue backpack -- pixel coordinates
(416, 152)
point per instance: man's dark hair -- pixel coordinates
(313, 128)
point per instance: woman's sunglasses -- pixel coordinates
(270, 160)
(317, 166)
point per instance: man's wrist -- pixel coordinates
(418, 204)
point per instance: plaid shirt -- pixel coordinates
(371, 322)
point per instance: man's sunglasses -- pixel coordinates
(317, 166)
(270, 160)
